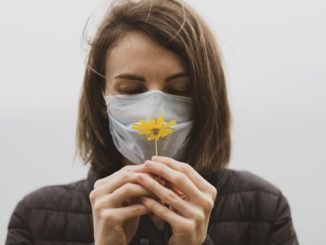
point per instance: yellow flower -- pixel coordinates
(154, 128)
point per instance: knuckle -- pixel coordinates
(200, 217)
(128, 188)
(214, 193)
(186, 168)
(208, 204)
(106, 216)
(125, 176)
(138, 209)
(179, 179)
(138, 176)
(92, 196)
(97, 183)
(190, 226)
(96, 208)
(127, 168)
(169, 197)
(160, 167)
(161, 212)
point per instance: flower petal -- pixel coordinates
(152, 137)
(142, 125)
(165, 132)
(169, 124)
(151, 123)
(143, 132)
(147, 128)
(160, 121)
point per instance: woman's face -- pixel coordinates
(137, 64)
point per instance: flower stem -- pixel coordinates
(156, 148)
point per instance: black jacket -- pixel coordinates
(248, 210)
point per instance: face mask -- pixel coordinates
(124, 110)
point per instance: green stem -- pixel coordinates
(156, 148)
(156, 154)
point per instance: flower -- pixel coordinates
(154, 128)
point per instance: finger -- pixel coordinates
(174, 219)
(177, 191)
(120, 215)
(120, 195)
(116, 182)
(125, 169)
(169, 197)
(176, 178)
(202, 184)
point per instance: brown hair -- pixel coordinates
(179, 28)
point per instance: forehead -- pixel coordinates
(138, 52)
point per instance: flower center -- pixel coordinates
(155, 131)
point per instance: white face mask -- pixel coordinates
(124, 110)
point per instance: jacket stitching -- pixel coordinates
(274, 216)
(27, 223)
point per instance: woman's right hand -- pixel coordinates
(113, 221)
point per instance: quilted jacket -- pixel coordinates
(248, 210)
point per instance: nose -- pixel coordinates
(154, 85)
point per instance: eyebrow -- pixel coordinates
(142, 79)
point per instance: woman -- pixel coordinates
(152, 61)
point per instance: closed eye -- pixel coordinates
(129, 87)
(182, 88)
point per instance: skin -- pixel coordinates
(120, 199)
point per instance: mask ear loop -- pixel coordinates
(102, 76)
(96, 72)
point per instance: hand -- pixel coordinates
(115, 220)
(191, 204)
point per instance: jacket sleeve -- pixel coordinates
(18, 231)
(282, 231)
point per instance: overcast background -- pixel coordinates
(274, 54)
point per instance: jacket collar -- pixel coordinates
(94, 175)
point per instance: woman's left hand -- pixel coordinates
(189, 215)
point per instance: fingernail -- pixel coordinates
(154, 157)
(148, 163)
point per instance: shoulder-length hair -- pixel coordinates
(177, 27)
